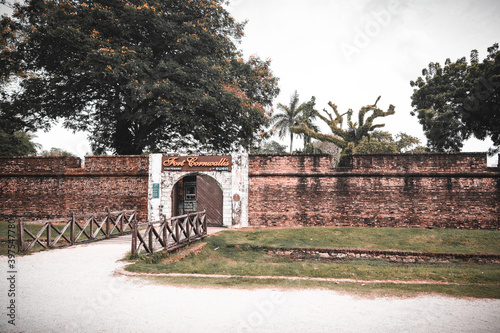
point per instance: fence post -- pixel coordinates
(164, 230)
(72, 229)
(91, 218)
(123, 216)
(108, 216)
(177, 233)
(197, 226)
(150, 238)
(49, 225)
(20, 236)
(205, 231)
(134, 237)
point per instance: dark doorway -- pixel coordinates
(195, 193)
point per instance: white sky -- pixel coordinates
(352, 51)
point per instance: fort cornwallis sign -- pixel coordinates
(196, 163)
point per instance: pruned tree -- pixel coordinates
(348, 138)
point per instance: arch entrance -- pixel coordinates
(196, 192)
(180, 184)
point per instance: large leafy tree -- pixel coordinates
(140, 74)
(293, 115)
(14, 140)
(459, 100)
(350, 137)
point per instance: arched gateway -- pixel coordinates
(180, 184)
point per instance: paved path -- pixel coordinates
(75, 290)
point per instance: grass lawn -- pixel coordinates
(240, 253)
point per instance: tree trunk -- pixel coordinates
(124, 140)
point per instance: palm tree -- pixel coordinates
(292, 115)
(308, 116)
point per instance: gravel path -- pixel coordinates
(75, 290)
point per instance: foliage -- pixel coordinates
(138, 75)
(459, 100)
(56, 152)
(270, 147)
(17, 143)
(349, 138)
(383, 142)
(293, 115)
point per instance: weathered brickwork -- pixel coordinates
(429, 162)
(49, 187)
(303, 164)
(449, 190)
(440, 190)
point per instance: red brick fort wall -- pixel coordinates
(447, 190)
(50, 187)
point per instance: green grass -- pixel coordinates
(242, 253)
(4, 237)
(410, 239)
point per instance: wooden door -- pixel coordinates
(209, 197)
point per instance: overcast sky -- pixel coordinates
(352, 51)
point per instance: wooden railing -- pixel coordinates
(168, 234)
(75, 229)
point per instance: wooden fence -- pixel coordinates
(169, 234)
(75, 229)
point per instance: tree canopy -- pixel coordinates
(348, 138)
(17, 144)
(459, 100)
(270, 147)
(383, 142)
(138, 75)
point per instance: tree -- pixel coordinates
(56, 152)
(459, 100)
(270, 147)
(349, 138)
(14, 140)
(292, 115)
(383, 142)
(17, 144)
(140, 75)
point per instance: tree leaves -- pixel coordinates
(459, 100)
(143, 75)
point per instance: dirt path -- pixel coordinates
(75, 290)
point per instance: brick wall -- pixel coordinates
(452, 190)
(449, 190)
(49, 187)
